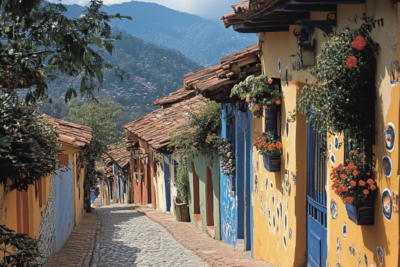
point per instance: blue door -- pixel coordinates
(167, 181)
(316, 199)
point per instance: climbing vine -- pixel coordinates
(344, 96)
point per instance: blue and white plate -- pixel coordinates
(387, 204)
(336, 144)
(334, 209)
(387, 166)
(389, 137)
(379, 255)
(332, 158)
(344, 231)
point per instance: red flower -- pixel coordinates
(355, 172)
(370, 181)
(351, 62)
(342, 176)
(278, 102)
(361, 183)
(373, 187)
(270, 80)
(256, 108)
(265, 107)
(353, 183)
(359, 43)
(366, 191)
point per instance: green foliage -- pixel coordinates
(344, 95)
(182, 181)
(40, 43)
(28, 146)
(201, 135)
(259, 92)
(18, 249)
(102, 117)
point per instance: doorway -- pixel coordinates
(210, 199)
(196, 196)
(316, 198)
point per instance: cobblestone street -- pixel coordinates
(130, 238)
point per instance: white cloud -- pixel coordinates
(211, 9)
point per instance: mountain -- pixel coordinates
(155, 72)
(201, 40)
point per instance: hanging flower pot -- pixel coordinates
(272, 163)
(361, 213)
(354, 185)
(271, 150)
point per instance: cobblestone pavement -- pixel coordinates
(214, 252)
(130, 238)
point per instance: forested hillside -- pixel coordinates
(155, 72)
(201, 40)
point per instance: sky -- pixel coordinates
(209, 9)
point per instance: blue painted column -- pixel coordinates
(167, 181)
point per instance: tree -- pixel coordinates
(39, 43)
(102, 117)
(28, 145)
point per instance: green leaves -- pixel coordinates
(96, 40)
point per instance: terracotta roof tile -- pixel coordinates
(246, 10)
(154, 127)
(72, 133)
(178, 95)
(118, 153)
(233, 69)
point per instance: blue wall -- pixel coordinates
(64, 205)
(167, 181)
(236, 211)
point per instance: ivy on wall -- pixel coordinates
(344, 95)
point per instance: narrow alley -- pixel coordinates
(130, 238)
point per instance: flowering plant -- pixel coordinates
(259, 92)
(353, 183)
(267, 145)
(227, 156)
(344, 95)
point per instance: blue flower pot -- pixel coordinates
(272, 163)
(361, 213)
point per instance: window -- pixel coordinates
(273, 121)
(230, 126)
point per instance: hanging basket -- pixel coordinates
(361, 213)
(181, 211)
(272, 163)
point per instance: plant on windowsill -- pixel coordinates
(354, 185)
(271, 150)
(259, 92)
(344, 93)
(228, 161)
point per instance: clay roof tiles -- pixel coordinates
(154, 127)
(232, 68)
(72, 133)
(118, 153)
(246, 10)
(178, 95)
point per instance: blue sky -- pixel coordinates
(210, 9)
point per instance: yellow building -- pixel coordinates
(291, 227)
(51, 207)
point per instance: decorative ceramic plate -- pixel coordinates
(389, 137)
(287, 76)
(387, 166)
(287, 129)
(279, 65)
(256, 183)
(379, 255)
(336, 142)
(284, 242)
(387, 204)
(393, 72)
(344, 231)
(332, 158)
(334, 209)
(287, 157)
(290, 234)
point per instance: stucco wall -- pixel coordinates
(170, 179)
(64, 205)
(364, 239)
(201, 163)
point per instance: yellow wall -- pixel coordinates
(268, 245)
(79, 210)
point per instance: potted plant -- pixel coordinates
(355, 186)
(271, 150)
(228, 161)
(259, 92)
(182, 183)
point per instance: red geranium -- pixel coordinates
(359, 43)
(351, 62)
